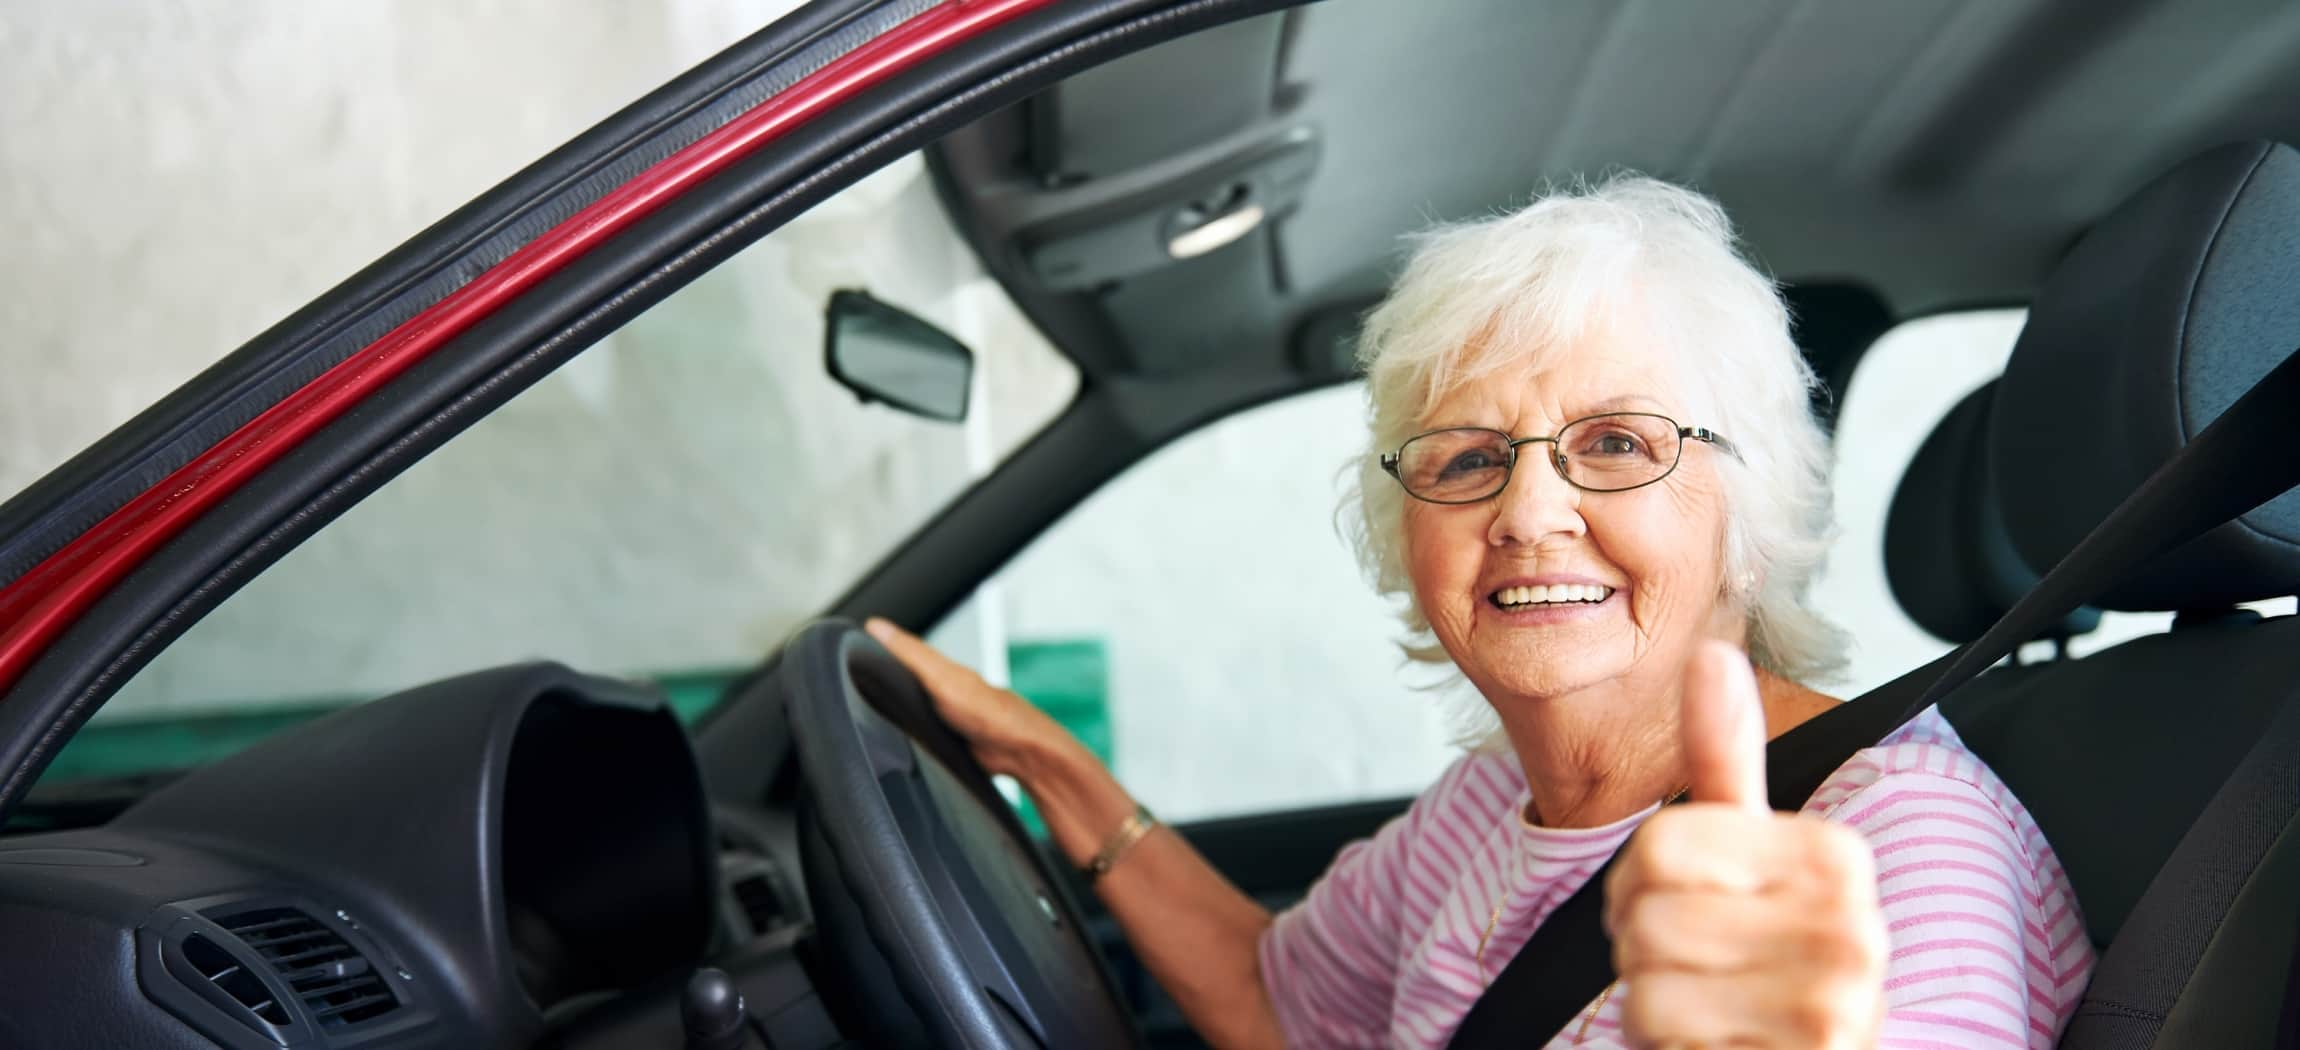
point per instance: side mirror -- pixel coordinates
(884, 354)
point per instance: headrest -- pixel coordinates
(2158, 320)
(1948, 555)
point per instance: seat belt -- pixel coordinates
(2248, 456)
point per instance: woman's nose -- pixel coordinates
(1537, 503)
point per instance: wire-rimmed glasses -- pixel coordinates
(1610, 452)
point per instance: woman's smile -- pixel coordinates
(1540, 601)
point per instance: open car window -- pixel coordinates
(668, 506)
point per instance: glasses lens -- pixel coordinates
(1452, 466)
(1621, 451)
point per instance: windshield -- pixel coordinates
(668, 506)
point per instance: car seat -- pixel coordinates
(2164, 770)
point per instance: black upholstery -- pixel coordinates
(1948, 557)
(2055, 733)
(2165, 772)
(2159, 318)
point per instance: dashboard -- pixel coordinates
(517, 857)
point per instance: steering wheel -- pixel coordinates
(941, 922)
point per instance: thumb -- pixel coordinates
(1724, 727)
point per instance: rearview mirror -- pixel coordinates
(884, 354)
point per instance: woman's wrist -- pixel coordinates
(1081, 802)
(1137, 826)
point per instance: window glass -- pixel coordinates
(1202, 621)
(669, 505)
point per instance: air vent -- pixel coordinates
(226, 973)
(336, 985)
(761, 905)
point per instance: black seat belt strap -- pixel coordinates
(2246, 457)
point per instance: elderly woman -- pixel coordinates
(1607, 602)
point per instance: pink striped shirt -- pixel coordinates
(1987, 947)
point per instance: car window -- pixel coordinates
(1203, 623)
(669, 505)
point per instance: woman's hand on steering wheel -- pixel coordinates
(1008, 734)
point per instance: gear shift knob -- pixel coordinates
(711, 1009)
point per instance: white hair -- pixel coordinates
(1515, 290)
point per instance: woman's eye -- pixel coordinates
(1613, 443)
(1475, 459)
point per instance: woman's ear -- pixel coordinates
(1738, 587)
(1729, 620)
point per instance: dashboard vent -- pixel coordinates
(226, 973)
(336, 984)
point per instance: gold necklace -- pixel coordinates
(1494, 920)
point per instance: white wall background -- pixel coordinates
(176, 176)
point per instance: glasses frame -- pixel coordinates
(1557, 459)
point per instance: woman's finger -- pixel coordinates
(1694, 931)
(1698, 931)
(941, 675)
(1687, 1009)
(1723, 724)
(1727, 849)
(1000, 726)
(1698, 846)
(1816, 1010)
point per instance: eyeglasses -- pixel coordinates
(1613, 452)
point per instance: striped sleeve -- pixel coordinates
(1974, 942)
(1330, 963)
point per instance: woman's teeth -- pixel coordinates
(1553, 594)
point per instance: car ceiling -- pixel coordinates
(1908, 157)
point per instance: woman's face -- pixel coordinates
(1655, 552)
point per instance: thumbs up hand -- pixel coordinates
(1734, 925)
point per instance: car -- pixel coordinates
(468, 660)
